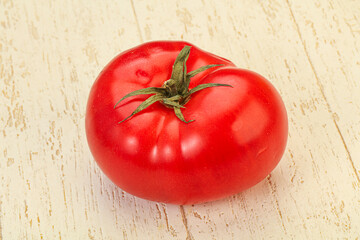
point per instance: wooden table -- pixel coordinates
(51, 53)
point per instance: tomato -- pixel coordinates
(237, 138)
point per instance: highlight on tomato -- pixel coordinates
(169, 122)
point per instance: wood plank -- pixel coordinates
(335, 63)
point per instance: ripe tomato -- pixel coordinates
(237, 138)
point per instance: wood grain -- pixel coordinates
(50, 54)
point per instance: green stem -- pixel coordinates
(174, 93)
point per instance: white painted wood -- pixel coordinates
(50, 54)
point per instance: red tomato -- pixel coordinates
(238, 136)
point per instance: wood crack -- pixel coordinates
(1, 237)
(137, 20)
(277, 205)
(184, 219)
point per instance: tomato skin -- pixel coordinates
(238, 137)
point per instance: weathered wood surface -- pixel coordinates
(50, 54)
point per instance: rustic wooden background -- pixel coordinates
(51, 53)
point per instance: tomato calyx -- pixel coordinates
(174, 93)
